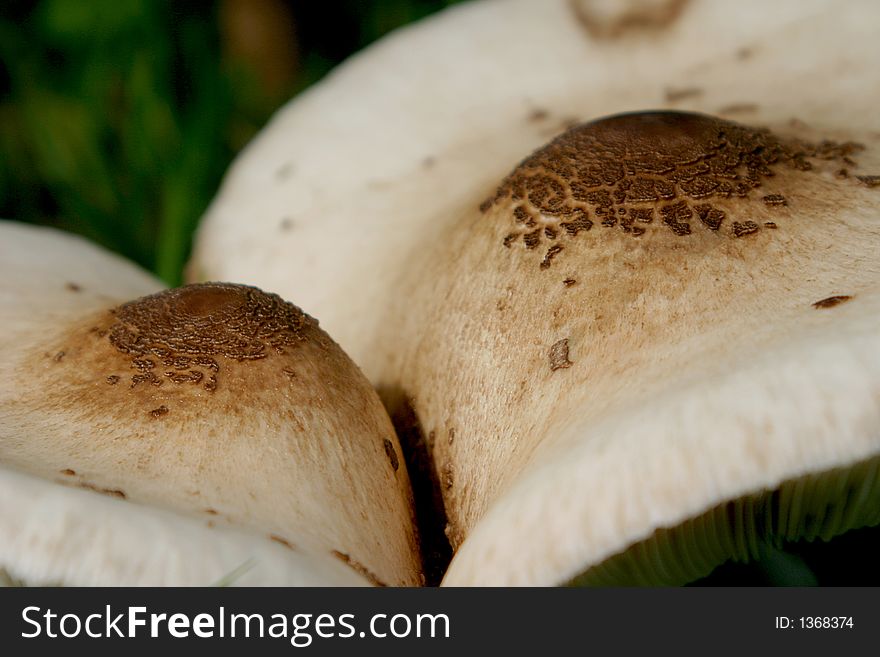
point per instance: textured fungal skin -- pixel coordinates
(166, 355)
(688, 242)
(647, 172)
(223, 397)
(177, 335)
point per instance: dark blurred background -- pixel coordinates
(118, 119)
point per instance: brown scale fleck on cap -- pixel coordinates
(711, 217)
(743, 228)
(830, 302)
(72, 287)
(359, 567)
(620, 170)
(112, 492)
(568, 282)
(69, 472)
(391, 454)
(552, 252)
(559, 355)
(774, 199)
(113, 379)
(869, 181)
(159, 412)
(186, 331)
(282, 541)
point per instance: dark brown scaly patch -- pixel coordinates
(618, 171)
(830, 302)
(69, 472)
(159, 412)
(359, 567)
(391, 454)
(774, 199)
(72, 287)
(180, 335)
(559, 355)
(743, 228)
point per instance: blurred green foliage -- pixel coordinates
(119, 117)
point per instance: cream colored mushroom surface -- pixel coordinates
(56, 535)
(221, 402)
(328, 204)
(648, 346)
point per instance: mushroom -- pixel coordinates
(56, 535)
(648, 347)
(219, 402)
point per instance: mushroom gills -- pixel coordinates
(818, 506)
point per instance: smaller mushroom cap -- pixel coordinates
(218, 400)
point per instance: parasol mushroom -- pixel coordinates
(218, 401)
(652, 345)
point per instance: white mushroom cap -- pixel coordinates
(216, 400)
(330, 202)
(56, 535)
(638, 380)
(657, 317)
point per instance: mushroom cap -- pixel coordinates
(216, 400)
(676, 386)
(659, 340)
(328, 204)
(56, 535)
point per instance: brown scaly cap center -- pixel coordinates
(177, 335)
(663, 168)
